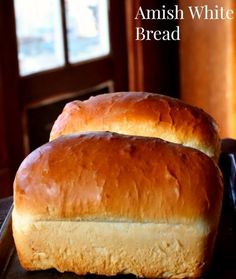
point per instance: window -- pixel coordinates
(87, 29)
(52, 33)
(32, 98)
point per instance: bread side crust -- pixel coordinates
(108, 176)
(109, 248)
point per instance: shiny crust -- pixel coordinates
(141, 114)
(107, 176)
(107, 203)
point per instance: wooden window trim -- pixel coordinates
(17, 92)
(135, 54)
(64, 32)
(67, 79)
(113, 66)
(57, 98)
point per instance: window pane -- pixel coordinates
(39, 34)
(87, 29)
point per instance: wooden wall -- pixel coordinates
(153, 65)
(207, 64)
(11, 143)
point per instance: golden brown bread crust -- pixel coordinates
(107, 203)
(141, 114)
(108, 176)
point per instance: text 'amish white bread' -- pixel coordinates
(106, 203)
(141, 114)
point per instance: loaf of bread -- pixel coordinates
(106, 203)
(141, 114)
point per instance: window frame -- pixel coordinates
(17, 92)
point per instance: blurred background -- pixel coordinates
(55, 51)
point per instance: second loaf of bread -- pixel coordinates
(141, 114)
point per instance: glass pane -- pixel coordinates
(87, 29)
(39, 34)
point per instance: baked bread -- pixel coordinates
(141, 114)
(106, 203)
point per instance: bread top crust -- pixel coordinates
(111, 177)
(141, 114)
